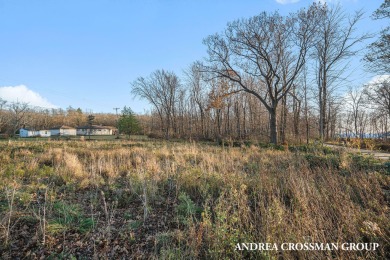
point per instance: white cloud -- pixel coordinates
(22, 94)
(378, 79)
(283, 2)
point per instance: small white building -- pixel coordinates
(96, 130)
(63, 131)
(44, 133)
(27, 132)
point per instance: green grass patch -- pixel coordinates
(68, 217)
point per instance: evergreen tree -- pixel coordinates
(90, 122)
(128, 123)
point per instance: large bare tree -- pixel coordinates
(268, 49)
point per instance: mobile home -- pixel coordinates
(63, 131)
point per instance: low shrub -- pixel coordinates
(323, 161)
(187, 210)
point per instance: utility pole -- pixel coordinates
(116, 110)
(117, 121)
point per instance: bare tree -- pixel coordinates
(3, 114)
(335, 44)
(18, 115)
(197, 93)
(355, 100)
(378, 95)
(378, 56)
(268, 49)
(162, 90)
(306, 103)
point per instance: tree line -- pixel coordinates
(15, 115)
(276, 78)
(272, 77)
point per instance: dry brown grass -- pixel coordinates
(186, 200)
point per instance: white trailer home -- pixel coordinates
(44, 133)
(63, 131)
(96, 130)
(27, 132)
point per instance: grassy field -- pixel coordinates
(153, 199)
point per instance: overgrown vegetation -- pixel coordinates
(366, 143)
(163, 200)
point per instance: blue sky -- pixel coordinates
(85, 53)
